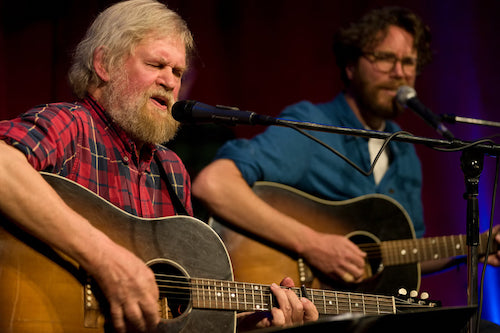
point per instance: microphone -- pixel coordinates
(407, 97)
(192, 112)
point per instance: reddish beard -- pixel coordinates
(370, 99)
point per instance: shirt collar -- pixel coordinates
(349, 119)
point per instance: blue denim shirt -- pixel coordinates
(285, 156)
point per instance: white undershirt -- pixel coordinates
(382, 165)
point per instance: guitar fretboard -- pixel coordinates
(227, 295)
(407, 251)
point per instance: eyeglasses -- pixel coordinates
(385, 62)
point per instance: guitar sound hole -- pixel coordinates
(174, 288)
(369, 244)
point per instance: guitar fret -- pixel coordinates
(244, 295)
(415, 251)
(228, 294)
(337, 302)
(253, 298)
(400, 252)
(456, 245)
(427, 251)
(214, 297)
(394, 254)
(429, 248)
(434, 248)
(204, 297)
(446, 249)
(349, 296)
(220, 294)
(207, 294)
(233, 299)
(261, 299)
(270, 302)
(403, 251)
(462, 243)
(197, 291)
(388, 257)
(324, 302)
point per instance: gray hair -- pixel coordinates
(119, 29)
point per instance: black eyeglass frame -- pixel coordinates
(378, 59)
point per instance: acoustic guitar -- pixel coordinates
(377, 223)
(41, 290)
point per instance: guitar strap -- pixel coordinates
(176, 202)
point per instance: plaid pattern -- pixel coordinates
(78, 141)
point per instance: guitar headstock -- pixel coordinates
(410, 301)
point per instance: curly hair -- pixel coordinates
(350, 42)
(119, 29)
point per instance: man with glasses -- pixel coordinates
(379, 53)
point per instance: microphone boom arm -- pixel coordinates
(456, 144)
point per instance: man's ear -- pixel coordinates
(98, 62)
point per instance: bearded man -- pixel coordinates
(378, 53)
(127, 73)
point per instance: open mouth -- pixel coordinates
(391, 92)
(160, 102)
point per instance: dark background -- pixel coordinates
(263, 55)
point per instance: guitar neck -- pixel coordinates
(227, 295)
(408, 251)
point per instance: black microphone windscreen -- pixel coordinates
(182, 110)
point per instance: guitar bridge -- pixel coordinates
(91, 311)
(306, 276)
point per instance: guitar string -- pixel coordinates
(331, 307)
(255, 288)
(446, 245)
(350, 302)
(334, 307)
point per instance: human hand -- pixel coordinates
(337, 257)
(291, 310)
(130, 289)
(494, 258)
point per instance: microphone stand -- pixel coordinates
(452, 119)
(471, 164)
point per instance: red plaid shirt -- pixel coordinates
(78, 141)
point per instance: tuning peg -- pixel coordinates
(413, 294)
(403, 292)
(424, 295)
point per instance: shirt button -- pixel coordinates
(125, 159)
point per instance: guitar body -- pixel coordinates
(367, 219)
(43, 291)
